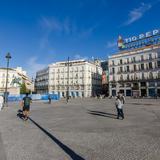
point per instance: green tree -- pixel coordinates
(23, 88)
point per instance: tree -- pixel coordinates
(23, 88)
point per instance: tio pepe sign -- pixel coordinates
(142, 36)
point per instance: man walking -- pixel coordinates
(119, 105)
(49, 99)
(26, 106)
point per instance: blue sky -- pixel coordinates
(39, 32)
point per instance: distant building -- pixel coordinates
(83, 79)
(16, 77)
(135, 69)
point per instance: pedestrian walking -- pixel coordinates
(1, 102)
(119, 106)
(49, 99)
(26, 106)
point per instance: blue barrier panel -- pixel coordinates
(12, 98)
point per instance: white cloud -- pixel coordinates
(78, 56)
(33, 66)
(87, 32)
(137, 13)
(111, 44)
(64, 26)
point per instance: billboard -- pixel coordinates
(105, 77)
(144, 39)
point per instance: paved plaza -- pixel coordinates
(83, 129)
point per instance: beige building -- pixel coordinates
(83, 78)
(14, 75)
(135, 72)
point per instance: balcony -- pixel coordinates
(136, 61)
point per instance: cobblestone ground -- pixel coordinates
(83, 129)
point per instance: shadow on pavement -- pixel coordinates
(65, 148)
(103, 114)
(20, 114)
(142, 104)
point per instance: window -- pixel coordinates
(159, 74)
(158, 64)
(134, 59)
(142, 75)
(135, 76)
(150, 75)
(127, 76)
(113, 70)
(142, 58)
(120, 61)
(150, 65)
(150, 56)
(112, 62)
(127, 60)
(121, 69)
(151, 84)
(143, 84)
(113, 78)
(127, 68)
(142, 66)
(121, 77)
(134, 67)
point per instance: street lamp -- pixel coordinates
(8, 57)
(68, 81)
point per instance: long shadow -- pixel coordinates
(65, 148)
(103, 114)
(111, 114)
(141, 104)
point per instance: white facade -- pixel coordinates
(17, 73)
(136, 72)
(83, 78)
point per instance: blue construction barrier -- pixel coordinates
(12, 98)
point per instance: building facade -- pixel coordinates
(135, 72)
(80, 77)
(16, 77)
(42, 81)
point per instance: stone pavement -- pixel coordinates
(83, 129)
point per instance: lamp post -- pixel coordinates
(8, 57)
(67, 81)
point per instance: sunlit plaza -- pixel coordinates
(82, 129)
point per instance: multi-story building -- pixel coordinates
(42, 81)
(16, 77)
(81, 78)
(136, 72)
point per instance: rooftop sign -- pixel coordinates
(145, 39)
